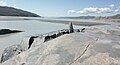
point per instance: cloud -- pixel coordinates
(3, 3)
(112, 5)
(88, 10)
(71, 11)
(117, 10)
(104, 10)
(97, 10)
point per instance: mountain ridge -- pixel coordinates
(117, 16)
(11, 11)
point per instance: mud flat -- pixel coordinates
(80, 22)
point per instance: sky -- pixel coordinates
(58, 8)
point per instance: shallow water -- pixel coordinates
(30, 27)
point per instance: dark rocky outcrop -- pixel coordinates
(55, 35)
(31, 40)
(59, 33)
(82, 30)
(71, 28)
(8, 31)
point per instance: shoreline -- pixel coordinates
(79, 22)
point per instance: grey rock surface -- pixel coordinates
(10, 52)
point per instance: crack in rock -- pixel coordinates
(81, 54)
(86, 48)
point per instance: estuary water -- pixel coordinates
(30, 27)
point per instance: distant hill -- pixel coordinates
(10, 11)
(79, 17)
(115, 16)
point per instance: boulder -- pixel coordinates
(10, 52)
